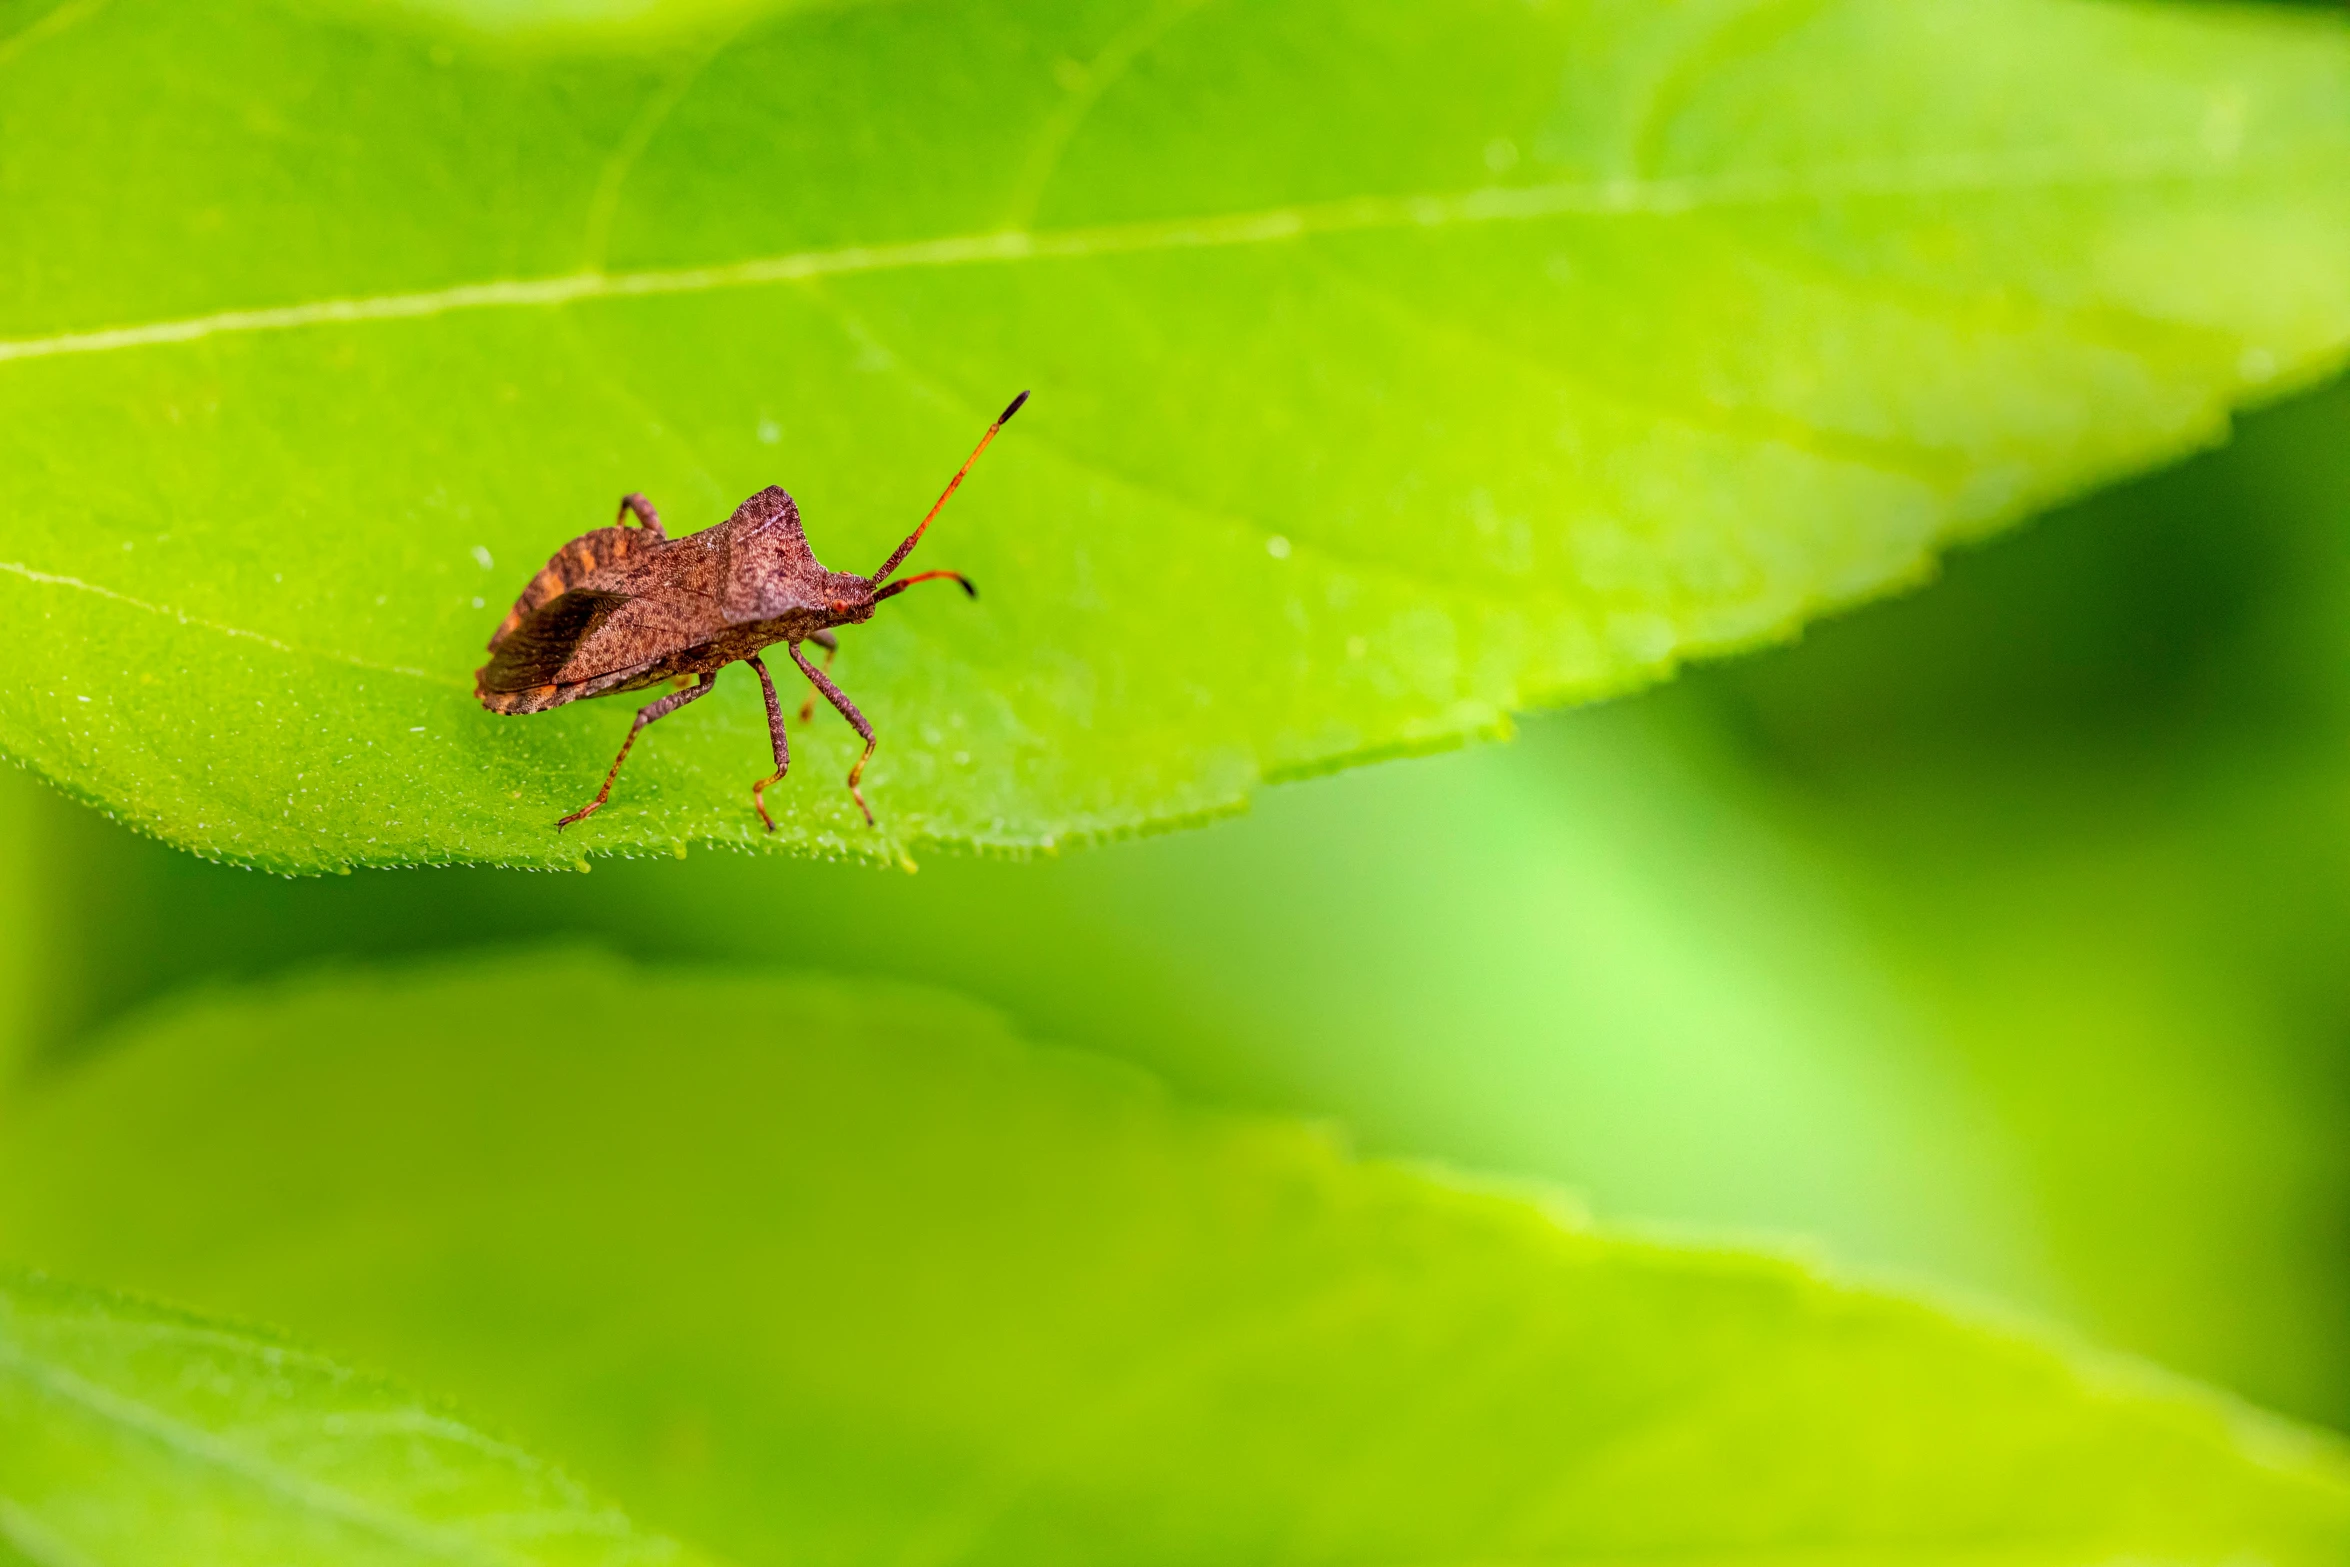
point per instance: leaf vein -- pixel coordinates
(1607, 198)
(33, 1539)
(604, 205)
(58, 580)
(131, 1415)
(1099, 75)
(1937, 469)
(63, 19)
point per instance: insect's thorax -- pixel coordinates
(775, 583)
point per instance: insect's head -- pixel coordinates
(849, 598)
(875, 592)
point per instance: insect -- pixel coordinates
(623, 609)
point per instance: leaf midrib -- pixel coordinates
(1938, 177)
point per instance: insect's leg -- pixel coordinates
(848, 710)
(775, 734)
(646, 518)
(831, 645)
(644, 715)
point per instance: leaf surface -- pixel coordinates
(816, 1272)
(1397, 366)
(131, 1434)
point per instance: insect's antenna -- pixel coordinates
(915, 537)
(955, 577)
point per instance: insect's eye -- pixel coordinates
(839, 608)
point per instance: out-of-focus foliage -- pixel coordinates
(1760, 953)
(23, 987)
(819, 1272)
(1399, 365)
(132, 1436)
(2092, 797)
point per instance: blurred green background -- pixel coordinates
(1991, 935)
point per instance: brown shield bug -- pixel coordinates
(621, 609)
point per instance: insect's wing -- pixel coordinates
(572, 565)
(532, 654)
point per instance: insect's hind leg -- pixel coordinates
(848, 710)
(646, 518)
(644, 715)
(774, 734)
(831, 645)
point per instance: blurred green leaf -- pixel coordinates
(131, 1435)
(2091, 798)
(24, 888)
(828, 1273)
(1398, 366)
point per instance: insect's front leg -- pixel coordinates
(774, 734)
(848, 710)
(831, 645)
(644, 715)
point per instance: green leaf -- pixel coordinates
(2105, 851)
(1398, 366)
(814, 1271)
(131, 1434)
(25, 886)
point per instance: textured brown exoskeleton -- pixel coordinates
(621, 609)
